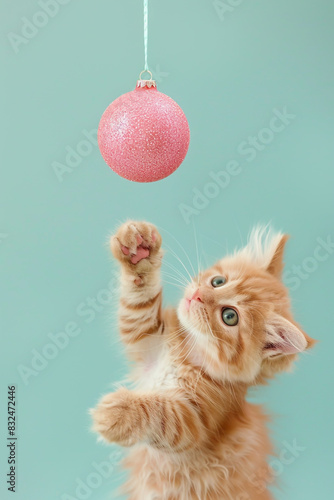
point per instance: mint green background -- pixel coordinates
(228, 75)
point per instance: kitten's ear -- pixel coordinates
(276, 264)
(283, 337)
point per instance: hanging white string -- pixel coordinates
(146, 32)
(146, 70)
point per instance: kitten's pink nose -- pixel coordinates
(197, 296)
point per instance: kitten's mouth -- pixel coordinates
(270, 346)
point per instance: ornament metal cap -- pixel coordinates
(146, 83)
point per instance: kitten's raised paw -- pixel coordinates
(115, 419)
(135, 242)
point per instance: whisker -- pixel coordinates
(176, 278)
(182, 248)
(177, 271)
(196, 246)
(180, 261)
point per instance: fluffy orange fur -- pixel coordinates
(191, 431)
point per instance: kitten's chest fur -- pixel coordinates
(158, 371)
(161, 475)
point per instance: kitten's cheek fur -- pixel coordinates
(184, 308)
(183, 314)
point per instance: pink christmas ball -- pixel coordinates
(144, 135)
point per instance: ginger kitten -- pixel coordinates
(191, 432)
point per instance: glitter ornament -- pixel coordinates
(144, 135)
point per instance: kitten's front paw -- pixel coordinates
(115, 418)
(137, 243)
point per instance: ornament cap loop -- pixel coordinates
(144, 82)
(145, 71)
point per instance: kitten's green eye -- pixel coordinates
(230, 317)
(218, 281)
